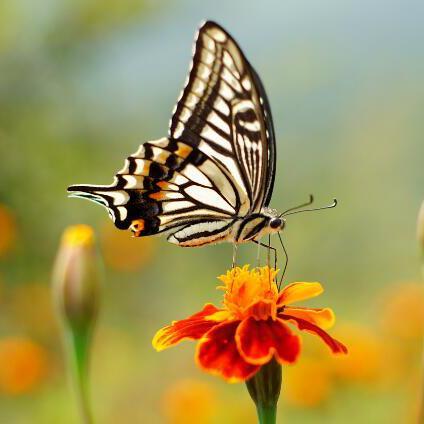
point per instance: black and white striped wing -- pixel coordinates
(217, 164)
(223, 112)
(168, 185)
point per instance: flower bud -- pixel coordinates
(76, 278)
(76, 286)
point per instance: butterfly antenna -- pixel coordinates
(330, 206)
(286, 264)
(309, 202)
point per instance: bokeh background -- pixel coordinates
(83, 82)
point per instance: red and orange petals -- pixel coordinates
(192, 328)
(323, 317)
(262, 310)
(298, 291)
(217, 353)
(302, 324)
(259, 340)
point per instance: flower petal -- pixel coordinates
(262, 310)
(322, 317)
(298, 291)
(259, 340)
(193, 327)
(302, 324)
(217, 353)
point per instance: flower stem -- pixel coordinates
(264, 388)
(78, 344)
(267, 415)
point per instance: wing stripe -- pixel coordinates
(202, 232)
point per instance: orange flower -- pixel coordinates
(251, 327)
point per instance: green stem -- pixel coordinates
(267, 414)
(78, 343)
(264, 388)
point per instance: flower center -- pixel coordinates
(250, 293)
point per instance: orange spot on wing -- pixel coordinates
(137, 226)
(159, 195)
(183, 150)
(161, 158)
(163, 185)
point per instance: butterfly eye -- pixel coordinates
(275, 223)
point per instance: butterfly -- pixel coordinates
(212, 178)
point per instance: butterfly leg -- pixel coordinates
(287, 261)
(258, 255)
(235, 245)
(269, 247)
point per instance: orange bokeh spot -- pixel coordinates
(366, 350)
(189, 402)
(309, 384)
(23, 365)
(123, 252)
(7, 230)
(402, 311)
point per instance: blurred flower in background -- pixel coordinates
(123, 252)
(310, 383)
(23, 365)
(363, 366)
(189, 401)
(8, 230)
(364, 363)
(402, 312)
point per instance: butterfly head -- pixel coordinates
(276, 224)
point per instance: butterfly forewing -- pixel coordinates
(223, 111)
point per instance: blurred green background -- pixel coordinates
(84, 82)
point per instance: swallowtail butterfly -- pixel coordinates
(211, 179)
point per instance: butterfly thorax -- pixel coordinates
(257, 225)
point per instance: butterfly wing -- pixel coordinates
(161, 187)
(216, 165)
(224, 112)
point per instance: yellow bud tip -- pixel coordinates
(78, 235)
